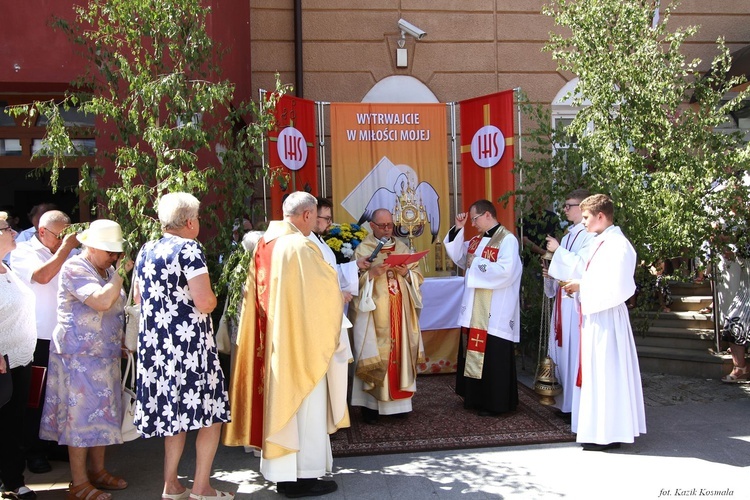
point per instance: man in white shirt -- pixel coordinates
(38, 262)
(568, 262)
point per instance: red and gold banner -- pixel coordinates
(291, 151)
(379, 152)
(487, 152)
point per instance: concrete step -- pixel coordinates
(683, 362)
(681, 303)
(674, 319)
(699, 339)
(690, 288)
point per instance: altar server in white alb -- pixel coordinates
(611, 398)
(568, 262)
(490, 313)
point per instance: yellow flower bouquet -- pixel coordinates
(343, 239)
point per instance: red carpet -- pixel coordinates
(439, 422)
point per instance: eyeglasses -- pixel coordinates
(474, 219)
(568, 206)
(384, 226)
(56, 235)
(327, 219)
(114, 254)
(7, 228)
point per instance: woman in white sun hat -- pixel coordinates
(83, 408)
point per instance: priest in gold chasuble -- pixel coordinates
(387, 340)
(288, 333)
(490, 312)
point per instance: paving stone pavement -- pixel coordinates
(697, 445)
(666, 390)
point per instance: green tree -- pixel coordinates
(648, 137)
(154, 86)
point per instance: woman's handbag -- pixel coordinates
(132, 318)
(223, 342)
(129, 431)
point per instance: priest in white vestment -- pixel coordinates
(611, 407)
(387, 339)
(568, 262)
(490, 312)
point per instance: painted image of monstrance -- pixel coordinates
(409, 214)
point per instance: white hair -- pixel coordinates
(251, 239)
(298, 202)
(53, 216)
(176, 208)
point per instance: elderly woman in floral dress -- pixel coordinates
(180, 383)
(83, 406)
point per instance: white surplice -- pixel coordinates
(503, 277)
(611, 396)
(568, 262)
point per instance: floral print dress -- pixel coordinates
(82, 406)
(180, 384)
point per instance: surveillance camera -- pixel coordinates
(407, 27)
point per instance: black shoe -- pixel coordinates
(369, 416)
(22, 493)
(59, 453)
(401, 415)
(38, 465)
(309, 488)
(600, 447)
(487, 413)
(563, 415)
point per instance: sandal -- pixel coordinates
(106, 481)
(177, 496)
(738, 374)
(219, 496)
(86, 491)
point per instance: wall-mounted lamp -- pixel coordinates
(406, 27)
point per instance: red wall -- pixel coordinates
(48, 62)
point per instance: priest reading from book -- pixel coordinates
(283, 401)
(387, 340)
(490, 313)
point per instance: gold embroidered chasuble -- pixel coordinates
(288, 331)
(387, 337)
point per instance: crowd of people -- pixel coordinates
(308, 330)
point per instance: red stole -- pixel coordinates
(394, 359)
(262, 258)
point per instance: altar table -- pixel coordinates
(441, 300)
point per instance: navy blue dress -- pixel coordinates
(180, 386)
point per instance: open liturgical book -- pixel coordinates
(403, 259)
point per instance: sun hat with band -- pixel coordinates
(103, 234)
